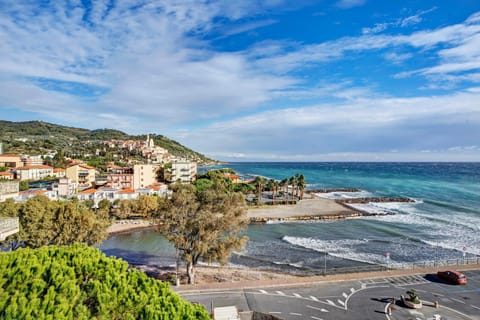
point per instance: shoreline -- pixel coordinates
(126, 226)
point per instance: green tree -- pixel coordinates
(259, 183)
(77, 282)
(301, 184)
(9, 208)
(203, 225)
(45, 222)
(24, 185)
(146, 205)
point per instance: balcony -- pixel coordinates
(8, 226)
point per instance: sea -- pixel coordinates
(442, 224)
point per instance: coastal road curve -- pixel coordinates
(357, 299)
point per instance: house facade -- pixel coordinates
(10, 161)
(144, 175)
(184, 171)
(82, 174)
(34, 172)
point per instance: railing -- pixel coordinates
(404, 266)
(8, 226)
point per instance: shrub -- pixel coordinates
(78, 282)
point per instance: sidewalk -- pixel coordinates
(311, 281)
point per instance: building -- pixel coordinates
(7, 175)
(183, 170)
(82, 174)
(34, 172)
(144, 175)
(32, 160)
(10, 160)
(120, 178)
(25, 195)
(59, 172)
(64, 188)
(8, 189)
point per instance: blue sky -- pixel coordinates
(271, 80)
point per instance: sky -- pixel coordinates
(253, 80)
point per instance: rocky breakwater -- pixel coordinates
(351, 202)
(309, 218)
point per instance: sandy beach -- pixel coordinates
(123, 226)
(315, 207)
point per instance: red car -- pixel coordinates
(453, 276)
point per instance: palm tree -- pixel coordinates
(292, 182)
(284, 183)
(275, 190)
(259, 181)
(301, 184)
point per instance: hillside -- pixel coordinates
(38, 137)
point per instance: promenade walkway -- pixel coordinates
(311, 281)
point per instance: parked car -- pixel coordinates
(453, 276)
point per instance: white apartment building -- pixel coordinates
(183, 170)
(64, 188)
(34, 172)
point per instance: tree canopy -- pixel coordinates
(203, 224)
(46, 222)
(77, 282)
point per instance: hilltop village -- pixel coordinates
(57, 176)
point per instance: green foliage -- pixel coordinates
(42, 137)
(78, 282)
(203, 224)
(9, 208)
(44, 222)
(23, 185)
(3, 169)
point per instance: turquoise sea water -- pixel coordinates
(444, 223)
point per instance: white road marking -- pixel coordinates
(297, 295)
(275, 312)
(280, 293)
(263, 291)
(344, 295)
(313, 317)
(352, 290)
(319, 309)
(474, 307)
(295, 314)
(438, 294)
(331, 302)
(341, 302)
(364, 285)
(460, 301)
(313, 298)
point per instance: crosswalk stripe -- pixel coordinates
(263, 291)
(313, 298)
(331, 302)
(344, 295)
(341, 302)
(313, 317)
(280, 293)
(297, 295)
(352, 290)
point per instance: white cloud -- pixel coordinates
(378, 124)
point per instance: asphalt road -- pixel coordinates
(360, 299)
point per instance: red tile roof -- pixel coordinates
(88, 191)
(126, 191)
